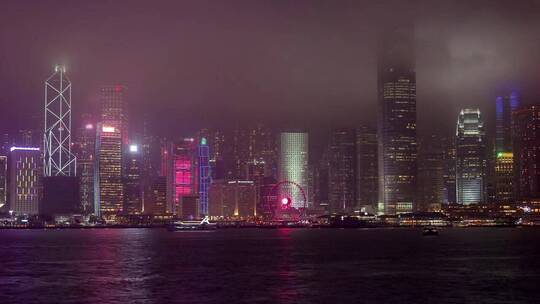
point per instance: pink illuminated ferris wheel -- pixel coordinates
(290, 196)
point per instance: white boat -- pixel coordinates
(204, 224)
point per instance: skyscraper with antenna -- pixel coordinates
(58, 159)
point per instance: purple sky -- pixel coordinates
(287, 63)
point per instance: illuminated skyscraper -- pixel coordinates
(505, 105)
(24, 180)
(504, 177)
(180, 163)
(293, 166)
(470, 158)
(342, 171)
(114, 109)
(397, 121)
(111, 141)
(502, 162)
(204, 175)
(58, 159)
(3, 180)
(109, 191)
(85, 149)
(526, 137)
(366, 172)
(132, 180)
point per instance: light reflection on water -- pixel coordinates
(269, 266)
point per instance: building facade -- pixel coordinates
(108, 177)
(293, 167)
(470, 158)
(85, 150)
(133, 186)
(526, 148)
(180, 163)
(342, 171)
(25, 175)
(3, 180)
(367, 181)
(397, 121)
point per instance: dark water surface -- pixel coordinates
(270, 266)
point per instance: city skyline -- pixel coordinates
(446, 63)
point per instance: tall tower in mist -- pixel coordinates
(58, 159)
(504, 106)
(470, 158)
(397, 120)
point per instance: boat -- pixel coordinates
(430, 231)
(204, 224)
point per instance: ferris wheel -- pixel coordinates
(290, 197)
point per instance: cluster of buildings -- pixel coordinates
(106, 172)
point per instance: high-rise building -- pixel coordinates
(342, 171)
(109, 189)
(58, 159)
(3, 180)
(470, 158)
(367, 181)
(397, 121)
(85, 149)
(321, 183)
(180, 170)
(500, 171)
(111, 141)
(504, 106)
(254, 146)
(204, 175)
(526, 138)
(114, 109)
(449, 174)
(430, 174)
(155, 201)
(25, 174)
(293, 167)
(133, 190)
(504, 177)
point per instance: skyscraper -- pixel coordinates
(449, 174)
(111, 141)
(85, 149)
(109, 190)
(24, 180)
(293, 166)
(527, 154)
(342, 171)
(504, 177)
(3, 180)
(470, 158)
(502, 162)
(133, 190)
(366, 172)
(397, 121)
(430, 174)
(180, 170)
(254, 146)
(204, 175)
(114, 109)
(504, 106)
(58, 159)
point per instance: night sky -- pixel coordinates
(290, 64)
